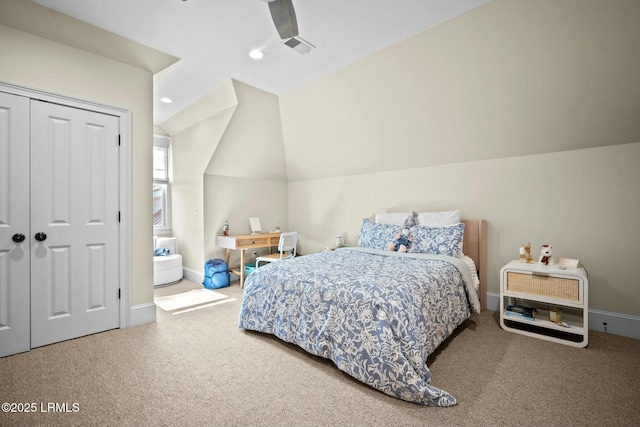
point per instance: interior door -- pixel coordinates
(74, 223)
(14, 224)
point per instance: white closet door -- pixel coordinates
(74, 202)
(14, 224)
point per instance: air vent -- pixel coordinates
(299, 44)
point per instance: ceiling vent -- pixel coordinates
(299, 44)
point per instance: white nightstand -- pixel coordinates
(542, 287)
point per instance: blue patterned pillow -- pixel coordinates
(377, 236)
(437, 240)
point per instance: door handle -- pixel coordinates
(18, 237)
(41, 237)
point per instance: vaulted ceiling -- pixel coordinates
(212, 38)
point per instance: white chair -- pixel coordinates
(286, 249)
(167, 269)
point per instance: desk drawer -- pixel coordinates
(253, 242)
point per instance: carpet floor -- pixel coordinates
(199, 369)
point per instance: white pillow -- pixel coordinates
(397, 218)
(170, 243)
(439, 219)
(474, 272)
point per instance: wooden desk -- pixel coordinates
(242, 242)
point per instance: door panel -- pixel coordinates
(74, 201)
(14, 219)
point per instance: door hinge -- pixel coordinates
(118, 293)
(118, 216)
(118, 140)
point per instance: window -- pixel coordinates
(161, 185)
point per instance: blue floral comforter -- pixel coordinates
(376, 314)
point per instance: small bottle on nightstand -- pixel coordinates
(523, 254)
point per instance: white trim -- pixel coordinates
(126, 311)
(61, 99)
(193, 275)
(493, 302)
(625, 325)
(124, 189)
(164, 142)
(143, 313)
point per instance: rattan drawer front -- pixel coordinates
(554, 287)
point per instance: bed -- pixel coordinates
(377, 314)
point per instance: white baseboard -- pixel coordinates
(493, 301)
(143, 313)
(624, 325)
(616, 323)
(193, 275)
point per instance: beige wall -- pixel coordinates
(585, 208)
(522, 113)
(252, 144)
(237, 199)
(247, 173)
(512, 77)
(38, 63)
(191, 152)
(229, 166)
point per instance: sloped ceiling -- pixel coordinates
(212, 38)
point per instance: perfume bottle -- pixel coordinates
(225, 228)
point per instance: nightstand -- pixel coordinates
(545, 288)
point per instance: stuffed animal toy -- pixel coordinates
(402, 241)
(546, 257)
(411, 220)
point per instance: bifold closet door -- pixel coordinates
(74, 223)
(14, 225)
(59, 223)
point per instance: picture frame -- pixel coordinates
(256, 228)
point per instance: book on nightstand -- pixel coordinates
(527, 313)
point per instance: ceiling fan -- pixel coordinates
(284, 17)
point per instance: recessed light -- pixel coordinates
(166, 100)
(256, 54)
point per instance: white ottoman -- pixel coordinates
(167, 269)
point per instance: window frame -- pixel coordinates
(163, 142)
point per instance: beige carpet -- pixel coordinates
(200, 369)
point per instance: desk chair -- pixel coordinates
(286, 249)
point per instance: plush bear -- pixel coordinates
(402, 241)
(411, 220)
(546, 257)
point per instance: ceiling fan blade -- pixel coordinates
(284, 18)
